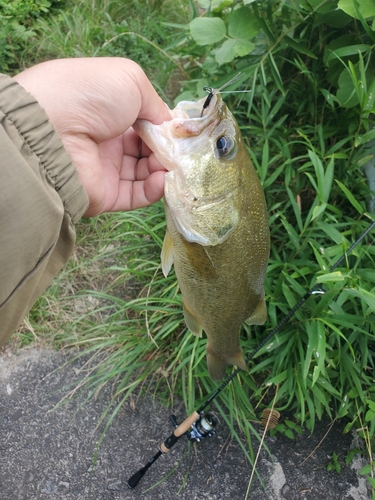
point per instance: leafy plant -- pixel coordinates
(334, 464)
(288, 428)
(17, 18)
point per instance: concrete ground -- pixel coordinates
(48, 451)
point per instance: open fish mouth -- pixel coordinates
(193, 109)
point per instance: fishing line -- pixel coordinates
(211, 91)
(200, 425)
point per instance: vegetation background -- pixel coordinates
(308, 124)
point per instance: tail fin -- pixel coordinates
(217, 363)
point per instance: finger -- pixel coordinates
(153, 108)
(133, 145)
(141, 193)
(140, 170)
(135, 148)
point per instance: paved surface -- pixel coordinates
(48, 452)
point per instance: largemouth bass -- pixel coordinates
(217, 231)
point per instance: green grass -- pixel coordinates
(308, 124)
(134, 29)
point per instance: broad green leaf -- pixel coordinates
(188, 95)
(319, 209)
(367, 469)
(278, 378)
(312, 346)
(324, 177)
(351, 454)
(369, 105)
(328, 179)
(331, 232)
(367, 297)
(327, 386)
(312, 180)
(295, 206)
(317, 348)
(319, 172)
(306, 364)
(226, 53)
(352, 50)
(371, 404)
(243, 47)
(215, 5)
(346, 94)
(364, 138)
(330, 98)
(294, 238)
(335, 276)
(243, 24)
(320, 399)
(207, 30)
(289, 434)
(321, 7)
(320, 353)
(365, 7)
(350, 197)
(233, 48)
(275, 73)
(299, 47)
(322, 263)
(344, 408)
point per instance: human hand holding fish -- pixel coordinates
(217, 231)
(92, 103)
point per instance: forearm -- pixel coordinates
(41, 199)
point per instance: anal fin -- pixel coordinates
(259, 315)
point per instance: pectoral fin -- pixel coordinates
(217, 363)
(191, 321)
(259, 315)
(167, 254)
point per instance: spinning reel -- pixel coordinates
(203, 428)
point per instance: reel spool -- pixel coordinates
(203, 428)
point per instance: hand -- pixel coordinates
(92, 104)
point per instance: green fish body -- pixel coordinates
(217, 226)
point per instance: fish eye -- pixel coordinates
(225, 147)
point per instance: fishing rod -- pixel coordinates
(199, 424)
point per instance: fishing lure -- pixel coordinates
(211, 91)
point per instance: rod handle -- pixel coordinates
(179, 431)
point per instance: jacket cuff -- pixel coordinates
(32, 123)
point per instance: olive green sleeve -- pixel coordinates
(41, 198)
